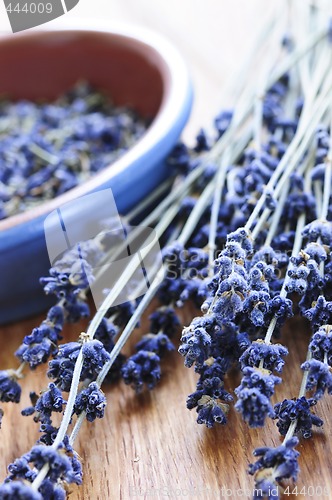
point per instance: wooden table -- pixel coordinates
(149, 446)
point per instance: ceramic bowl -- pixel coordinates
(136, 68)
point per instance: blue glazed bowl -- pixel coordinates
(136, 68)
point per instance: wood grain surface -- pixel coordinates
(149, 446)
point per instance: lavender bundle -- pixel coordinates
(280, 252)
(244, 231)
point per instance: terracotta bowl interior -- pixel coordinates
(43, 65)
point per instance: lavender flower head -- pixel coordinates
(291, 410)
(254, 392)
(270, 354)
(274, 465)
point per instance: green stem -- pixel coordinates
(206, 195)
(318, 196)
(129, 329)
(43, 154)
(302, 392)
(258, 120)
(289, 161)
(219, 185)
(277, 216)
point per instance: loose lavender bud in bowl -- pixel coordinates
(132, 67)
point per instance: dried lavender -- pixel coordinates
(49, 148)
(246, 236)
(79, 361)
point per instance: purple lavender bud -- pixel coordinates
(274, 465)
(75, 309)
(202, 142)
(19, 491)
(270, 354)
(164, 319)
(213, 367)
(270, 202)
(254, 406)
(61, 368)
(321, 344)
(281, 307)
(316, 252)
(54, 491)
(20, 469)
(290, 410)
(92, 401)
(319, 377)
(158, 343)
(241, 236)
(224, 266)
(105, 333)
(61, 466)
(142, 368)
(298, 203)
(320, 313)
(211, 411)
(10, 390)
(42, 342)
(123, 313)
(222, 121)
(195, 344)
(195, 290)
(318, 229)
(94, 358)
(49, 433)
(254, 392)
(49, 401)
(213, 387)
(257, 306)
(179, 159)
(186, 206)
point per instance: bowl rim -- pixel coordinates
(176, 84)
